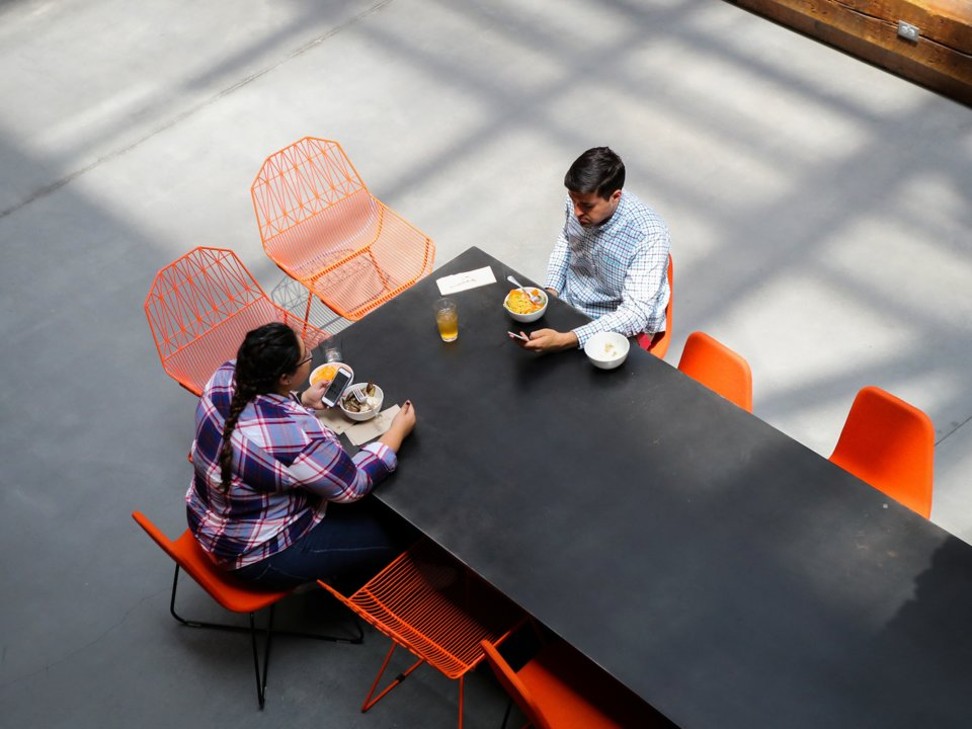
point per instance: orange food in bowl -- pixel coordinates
(324, 374)
(519, 303)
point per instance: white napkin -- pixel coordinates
(466, 280)
(358, 433)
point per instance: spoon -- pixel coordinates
(530, 295)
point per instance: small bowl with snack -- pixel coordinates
(522, 308)
(607, 350)
(362, 401)
(326, 372)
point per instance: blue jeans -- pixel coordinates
(352, 544)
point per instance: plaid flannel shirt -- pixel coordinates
(286, 467)
(616, 272)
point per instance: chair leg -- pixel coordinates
(462, 683)
(506, 716)
(369, 702)
(261, 680)
(261, 676)
(356, 639)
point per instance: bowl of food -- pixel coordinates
(362, 401)
(607, 350)
(522, 308)
(326, 372)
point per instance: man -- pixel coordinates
(611, 258)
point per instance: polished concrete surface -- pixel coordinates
(821, 212)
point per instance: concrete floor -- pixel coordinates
(821, 212)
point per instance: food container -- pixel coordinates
(361, 411)
(607, 350)
(325, 372)
(521, 309)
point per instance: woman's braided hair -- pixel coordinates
(266, 354)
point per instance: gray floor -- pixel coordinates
(821, 212)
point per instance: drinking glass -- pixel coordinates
(447, 319)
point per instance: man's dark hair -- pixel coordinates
(598, 170)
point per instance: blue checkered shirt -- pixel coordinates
(616, 272)
(286, 468)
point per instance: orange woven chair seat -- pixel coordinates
(320, 224)
(434, 608)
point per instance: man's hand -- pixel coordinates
(549, 340)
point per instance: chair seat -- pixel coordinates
(232, 595)
(435, 610)
(563, 683)
(321, 225)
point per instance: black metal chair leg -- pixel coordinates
(261, 679)
(356, 639)
(261, 676)
(506, 716)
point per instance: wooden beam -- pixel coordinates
(941, 58)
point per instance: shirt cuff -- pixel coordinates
(385, 454)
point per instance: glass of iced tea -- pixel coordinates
(447, 319)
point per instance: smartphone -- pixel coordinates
(334, 390)
(514, 335)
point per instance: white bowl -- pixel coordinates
(320, 373)
(378, 398)
(533, 315)
(607, 350)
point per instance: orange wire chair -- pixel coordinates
(712, 363)
(890, 444)
(234, 596)
(428, 604)
(201, 306)
(560, 689)
(321, 225)
(658, 344)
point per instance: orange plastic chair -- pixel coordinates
(428, 604)
(890, 444)
(712, 363)
(560, 689)
(232, 595)
(658, 344)
(201, 306)
(320, 224)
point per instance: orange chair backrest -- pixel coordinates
(514, 687)
(658, 344)
(320, 224)
(190, 557)
(300, 181)
(890, 444)
(712, 363)
(201, 306)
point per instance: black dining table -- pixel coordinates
(725, 573)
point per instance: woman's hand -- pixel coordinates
(402, 425)
(311, 397)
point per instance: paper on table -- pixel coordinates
(361, 433)
(358, 433)
(466, 280)
(334, 420)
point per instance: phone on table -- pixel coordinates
(336, 387)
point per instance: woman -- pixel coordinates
(271, 498)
